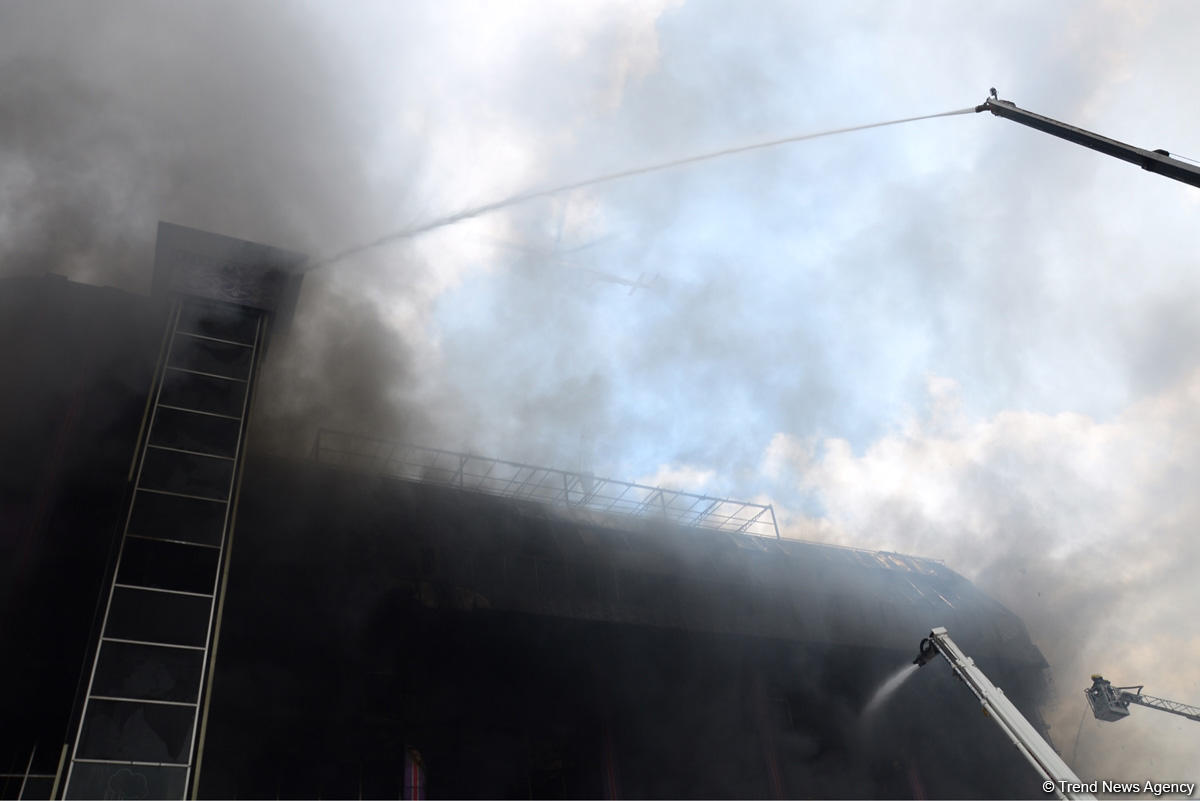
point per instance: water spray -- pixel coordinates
(887, 689)
(533, 194)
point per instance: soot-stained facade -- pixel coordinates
(376, 632)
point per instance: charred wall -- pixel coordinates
(76, 361)
(525, 653)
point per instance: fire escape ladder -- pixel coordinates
(138, 724)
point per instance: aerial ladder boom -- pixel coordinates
(1032, 745)
(1112, 703)
(1159, 161)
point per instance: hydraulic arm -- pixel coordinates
(1032, 745)
(1112, 703)
(1158, 161)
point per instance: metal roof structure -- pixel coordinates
(579, 492)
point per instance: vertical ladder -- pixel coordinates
(137, 730)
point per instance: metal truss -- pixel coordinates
(1174, 707)
(579, 492)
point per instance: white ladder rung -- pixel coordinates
(197, 411)
(183, 495)
(191, 453)
(213, 339)
(132, 762)
(141, 700)
(125, 586)
(177, 542)
(149, 642)
(210, 375)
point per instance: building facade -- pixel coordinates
(185, 617)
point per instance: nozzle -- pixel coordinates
(927, 652)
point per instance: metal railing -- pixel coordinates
(559, 488)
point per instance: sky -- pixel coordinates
(958, 338)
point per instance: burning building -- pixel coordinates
(186, 616)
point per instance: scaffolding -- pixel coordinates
(566, 490)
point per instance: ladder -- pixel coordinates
(137, 729)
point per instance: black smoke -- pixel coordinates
(238, 118)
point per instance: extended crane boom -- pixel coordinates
(1112, 703)
(1020, 731)
(1158, 161)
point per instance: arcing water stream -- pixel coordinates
(532, 194)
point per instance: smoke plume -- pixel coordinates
(230, 117)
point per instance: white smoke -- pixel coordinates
(1085, 529)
